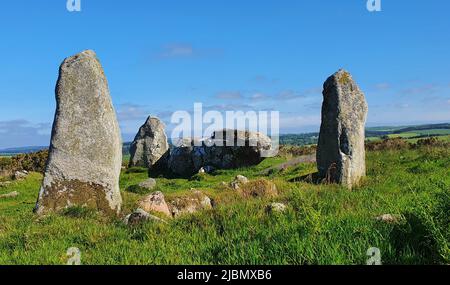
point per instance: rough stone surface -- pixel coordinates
(155, 202)
(85, 154)
(258, 189)
(148, 184)
(238, 181)
(5, 184)
(140, 216)
(242, 179)
(341, 153)
(190, 204)
(19, 175)
(276, 208)
(388, 218)
(150, 147)
(206, 169)
(181, 160)
(226, 149)
(10, 195)
(126, 219)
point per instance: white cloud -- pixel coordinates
(383, 86)
(298, 123)
(177, 50)
(17, 133)
(185, 50)
(229, 95)
(264, 80)
(259, 96)
(289, 95)
(131, 112)
(428, 89)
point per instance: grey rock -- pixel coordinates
(225, 149)
(19, 175)
(238, 181)
(148, 184)
(155, 202)
(241, 179)
(150, 147)
(341, 153)
(140, 216)
(206, 169)
(192, 203)
(276, 208)
(126, 219)
(5, 184)
(181, 160)
(388, 218)
(235, 185)
(10, 195)
(85, 154)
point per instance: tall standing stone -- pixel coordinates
(150, 147)
(85, 153)
(340, 153)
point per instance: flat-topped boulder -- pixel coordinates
(225, 149)
(85, 154)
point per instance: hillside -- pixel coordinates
(378, 133)
(373, 133)
(21, 150)
(323, 224)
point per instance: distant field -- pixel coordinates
(411, 139)
(410, 133)
(434, 132)
(377, 133)
(431, 132)
(6, 155)
(404, 135)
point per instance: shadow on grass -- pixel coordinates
(164, 173)
(79, 212)
(411, 239)
(312, 178)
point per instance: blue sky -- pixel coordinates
(164, 55)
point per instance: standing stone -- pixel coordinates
(340, 153)
(85, 153)
(150, 147)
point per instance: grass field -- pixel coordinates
(409, 137)
(324, 224)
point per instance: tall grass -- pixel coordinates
(324, 224)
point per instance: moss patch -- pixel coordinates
(63, 194)
(345, 78)
(259, 188)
